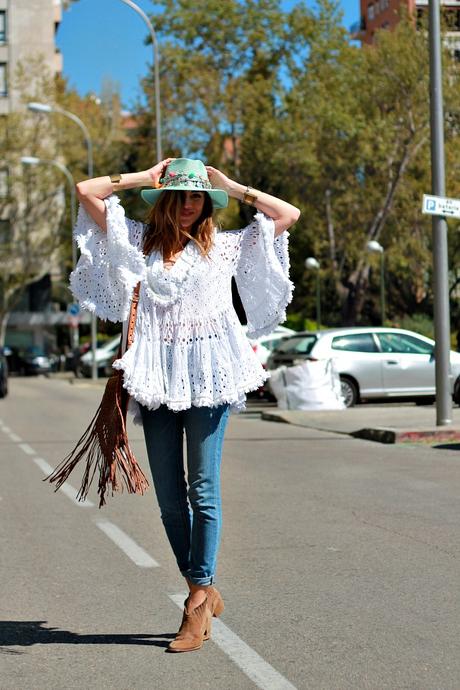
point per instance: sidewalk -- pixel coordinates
(386, 423)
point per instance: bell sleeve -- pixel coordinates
(262, 275)
(111, 263)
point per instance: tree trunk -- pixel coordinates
(3, 323)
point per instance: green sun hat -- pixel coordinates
(186, 174)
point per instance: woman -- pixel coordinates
(190, 361)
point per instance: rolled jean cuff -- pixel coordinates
(203, 581)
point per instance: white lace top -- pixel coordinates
(189, 347)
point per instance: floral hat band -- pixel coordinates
(186, 174)
(190, 180)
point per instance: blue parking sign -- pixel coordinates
(73, 309)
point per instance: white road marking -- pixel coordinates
(252, 665)
(26, 448)
(15, 437)
(135, 552)
(66, 488)
(6, 429)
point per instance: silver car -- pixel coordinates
(372, 362)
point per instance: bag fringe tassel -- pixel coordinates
(105, 447)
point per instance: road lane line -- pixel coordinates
(252, 665)
(26, 448)
(6, 429)
(135, 552)
(66, 488)
(15, 437)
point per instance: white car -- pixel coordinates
(264, 345)
(105, 354)
(372, 362)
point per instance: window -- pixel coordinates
(404, 344)
(3, 183)
(2, 26)
(370, 12)
(297, 345)
(3, 79)
(356, 342)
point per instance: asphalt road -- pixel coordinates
(339, 564)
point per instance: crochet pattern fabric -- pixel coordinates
(189, 347)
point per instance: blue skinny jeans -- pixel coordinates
(191, 510)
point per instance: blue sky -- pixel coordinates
(104, 39)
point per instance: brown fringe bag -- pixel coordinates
(105, 445)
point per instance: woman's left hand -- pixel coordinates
(218, 179)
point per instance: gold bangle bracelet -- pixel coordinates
(248, 197)
(115, 179)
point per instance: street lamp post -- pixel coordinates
(312, 264)
(156, 60)
(33, 160)
(47, 108)
(376, 247)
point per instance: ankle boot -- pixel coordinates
(194, 629)
(215, 601)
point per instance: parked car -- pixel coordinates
(373, 363)
(31, 360)
(105, 355)
(264, 345)
(3, 373)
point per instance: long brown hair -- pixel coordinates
(163, 229)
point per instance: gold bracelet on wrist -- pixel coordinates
(248, 197)
(115, 179)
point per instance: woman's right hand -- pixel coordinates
(157, 172)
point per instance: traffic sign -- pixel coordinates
(441, 206)
(73, 309)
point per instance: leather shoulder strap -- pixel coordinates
(132, 315)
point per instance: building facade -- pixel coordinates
(385, 14)
(27, 27)
(27, 30)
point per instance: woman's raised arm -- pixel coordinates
(91, 193)
(283, 213)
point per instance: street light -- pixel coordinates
(312, 264)
(33, 160)
(376, 248)
(47, 108)
(156, 60)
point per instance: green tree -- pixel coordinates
(35, 230)
(284, 101)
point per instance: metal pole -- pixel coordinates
(439, 225)
(156, 60)
(318, 301)
(89, 148)
(382, 287)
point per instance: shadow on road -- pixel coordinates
(447, 446)
(28, 633)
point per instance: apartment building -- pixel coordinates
(384, 14)
(27, 27)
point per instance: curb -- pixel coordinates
(387, 435)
